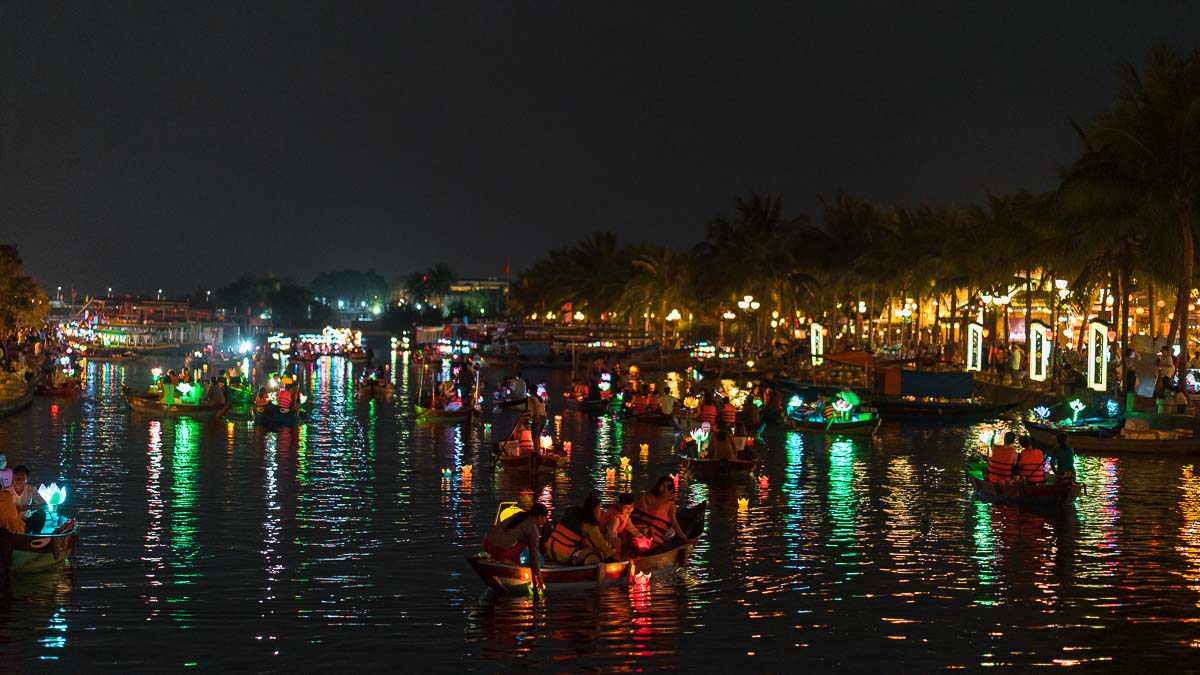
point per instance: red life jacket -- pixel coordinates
(1032, 465)
(728, 413)
(655, 524)
(708, 413)
(638, 405)
(1001, 463)
(283, 399)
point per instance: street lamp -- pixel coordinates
(160, 294)
(110, 291)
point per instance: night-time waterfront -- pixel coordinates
(219, 546)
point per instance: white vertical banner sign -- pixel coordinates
(1097, 352)
(816, 343)
(975, 346)
(1039, 351)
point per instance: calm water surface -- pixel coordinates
(217, 545)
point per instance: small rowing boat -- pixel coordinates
(1101, 439)
(38, 552)
(863, 424)
(668, 557)
(444, 416)
(151, 403)
(720, 470)
(1049, 495)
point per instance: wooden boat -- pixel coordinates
(864, 424)
(63, 391)
(1102, 440)
(8, 406)
(125, 357)
(240, 399)
(950, 410)
(661, 419)
(444, 416)
(672, 555)
(272, 419)
(39, 552)
(720, 470)
(591, 406)
(151, 403)
(373, 389)
(532, 461)
(1048, 495)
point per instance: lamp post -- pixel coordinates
(1062, 292)
(726, 316)
(748, 304)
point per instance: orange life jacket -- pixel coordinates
(728, 414)
(708, 413)
(525, 444)
(656, 523)
(566, 538)
(283, 399)
(639, 403)
(1001, 463)
(1032, 465)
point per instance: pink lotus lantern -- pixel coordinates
(566, 446)
(642, 543)
(641, 578)
(764, 482)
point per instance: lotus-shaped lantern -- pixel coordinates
(641, 578)
(546, 442)
(53, 495)
(566, 446)
(466, 470)
(558, 419)
(624, 463)
(644, 447)
(610, 473)
(764, 482)
(487, 426)
(446, 473)
(743, 504)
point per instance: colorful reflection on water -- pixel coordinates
(224, 545)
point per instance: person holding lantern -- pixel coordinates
(654, 512)
(617, 526)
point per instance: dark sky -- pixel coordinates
(177, 145)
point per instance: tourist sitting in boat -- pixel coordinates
(1062, 459)
(640, 402)
(722, 447)
(262, 400)
(1002, 462)
(214, 395)
(579, 390)
(654, 512)
(518, 533)
(665, 402)
(617, 526)
(6, 473)
(26, 500)
(578, 539)
(169, 382)
(728, 414)
(1031, 463)
(285, 398)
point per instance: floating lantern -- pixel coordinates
(645, 447)
(641, 578)
(624, 463)
(610, 474)
(567, 446)
(743, 504)
(53, 495)
(764, 482)
(546, 442)
(487, 426)
(558, 419)
(446, 473)
(642, 543)
(466, 470)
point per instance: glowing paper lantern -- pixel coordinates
(763, 482)
(1097, 349)
(743, 504)
(642, 543)
(641, 578)
(816, 343)
(446, 473)
(1039, 351)
(1042, 412)
(624, 463)
(975, 346)
(53, 495)
(546, 442)
(466, 470)
(567, 446)
(610, 474)
(558, 419)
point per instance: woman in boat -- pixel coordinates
(577, 539)
(722, 444)
(708, 410)
(1002, 462)
(522, 532)
(654, 512)
(617, 526)
(1031, 463)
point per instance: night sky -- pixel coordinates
(178, 145)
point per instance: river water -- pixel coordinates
(217, 546)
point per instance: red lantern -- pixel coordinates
(1112, 335)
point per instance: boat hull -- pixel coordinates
(443, 416)
(148, 403)
(1044, 436)
(899, 408)
(855, 428)
(22, 553)
(721, 470)
(15, 405)
(1050, 495)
